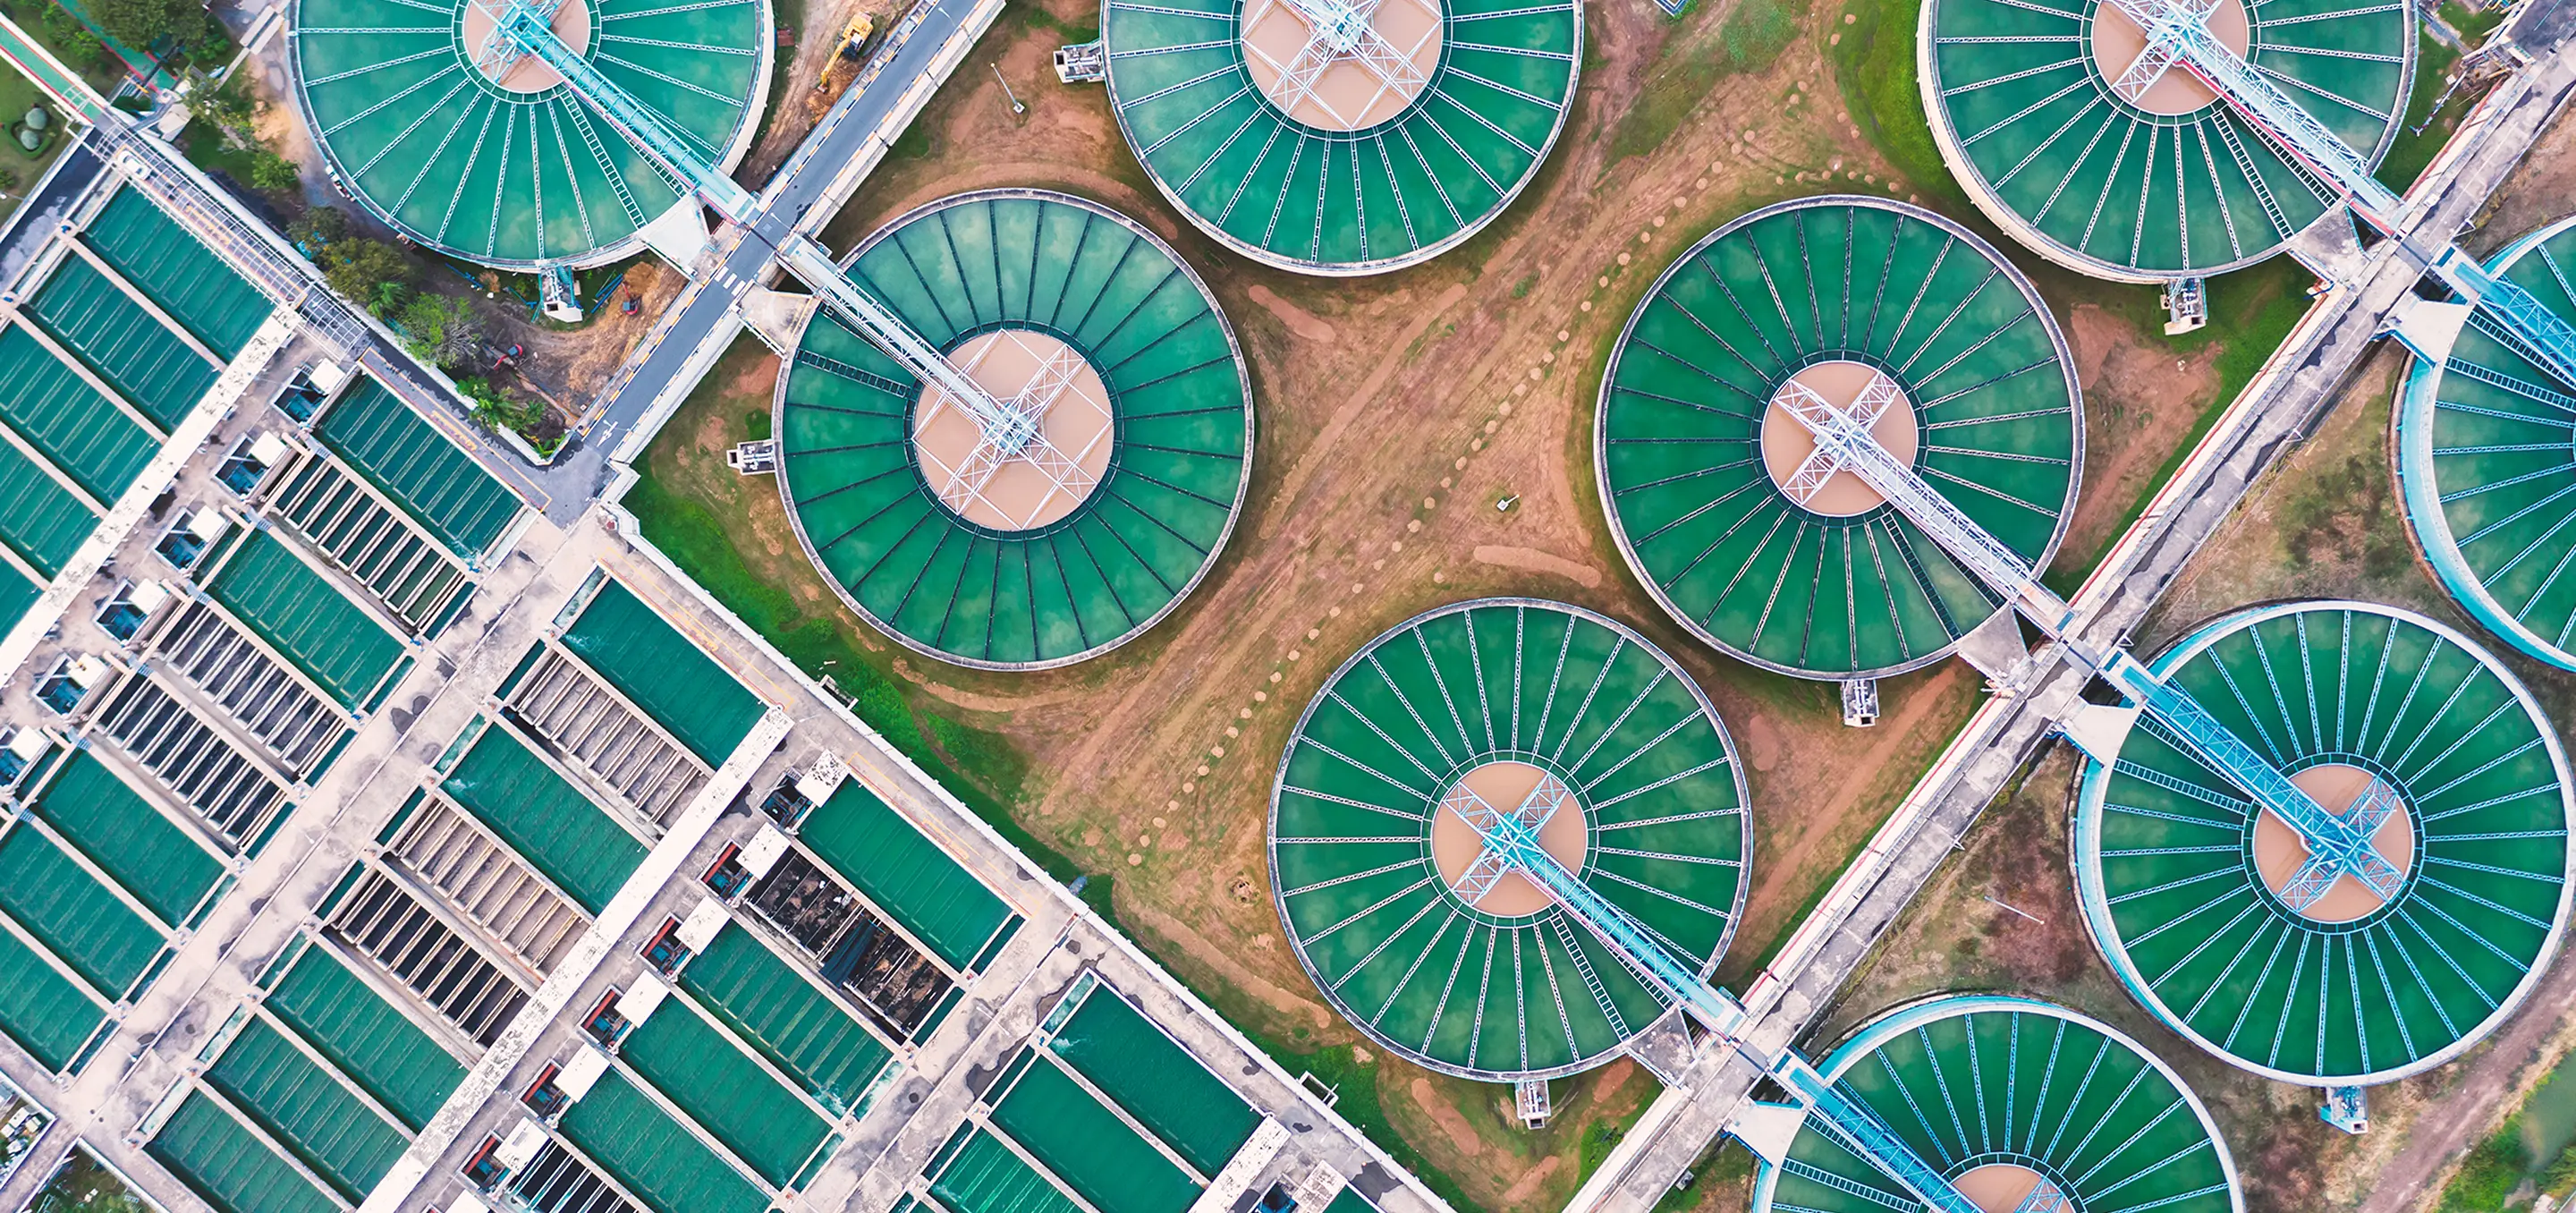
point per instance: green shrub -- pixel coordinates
(273, 173)
(2490, 1173)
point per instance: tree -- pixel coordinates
(443, 329)
(72, 38)
(229, 108)
(140, 23)
(318, 228)
(370, 272)
(273, 173)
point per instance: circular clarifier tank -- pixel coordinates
(2169, 181)
(2187, 886)
(2486, 454)
(1882, 311)
(1331, 138)
(488, 155)
(1553, 713)
(2021, 1105)
(990, 547)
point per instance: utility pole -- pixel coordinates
(1016, 107)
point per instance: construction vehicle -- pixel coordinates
(843, 68)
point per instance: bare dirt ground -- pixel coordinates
(1395, 413)
(2135, 392)
(2538, 192)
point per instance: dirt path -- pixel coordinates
(2446, 1125)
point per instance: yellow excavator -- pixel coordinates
(844, 66)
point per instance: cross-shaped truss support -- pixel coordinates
(1511, 839)
(502, 50)
(1492, 863)
(2046, 1198)
(1876, 397)
(1017, 431)
(2310, 883)
(1338, 31)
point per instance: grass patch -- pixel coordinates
(2255, 309)
(2473, 27)
(1874, 66)
(1757, 31)
(2493, 1169)
(1357, 1099)
(1694, 58)
(2429, 120)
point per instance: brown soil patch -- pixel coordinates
(1518, 1195)
(1301, 1004)
(1462, 1136)
(1531, 560)
(800, 105)
(1759, 740)
(2139, 401)
(1925, 710)
(2537, 193)
(1299, 320)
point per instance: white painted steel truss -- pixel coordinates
(1340, 31)
(1020, 436)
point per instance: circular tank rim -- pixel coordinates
(737, 145)
(1923, 1012)
(1376, 265)
(1609, 376)
(1945, 138)
(1270, 826)
(1243, 479)
(2085, 828)
(2420, 486)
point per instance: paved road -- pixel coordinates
(2280, 407)
(667, 365)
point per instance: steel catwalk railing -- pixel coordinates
(2337, 845)
(1511, 843)
(2178, 35)
(1011, 429)
(156, 168)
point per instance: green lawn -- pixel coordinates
(17, 95)
(1875, 65)
(2412, 152)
